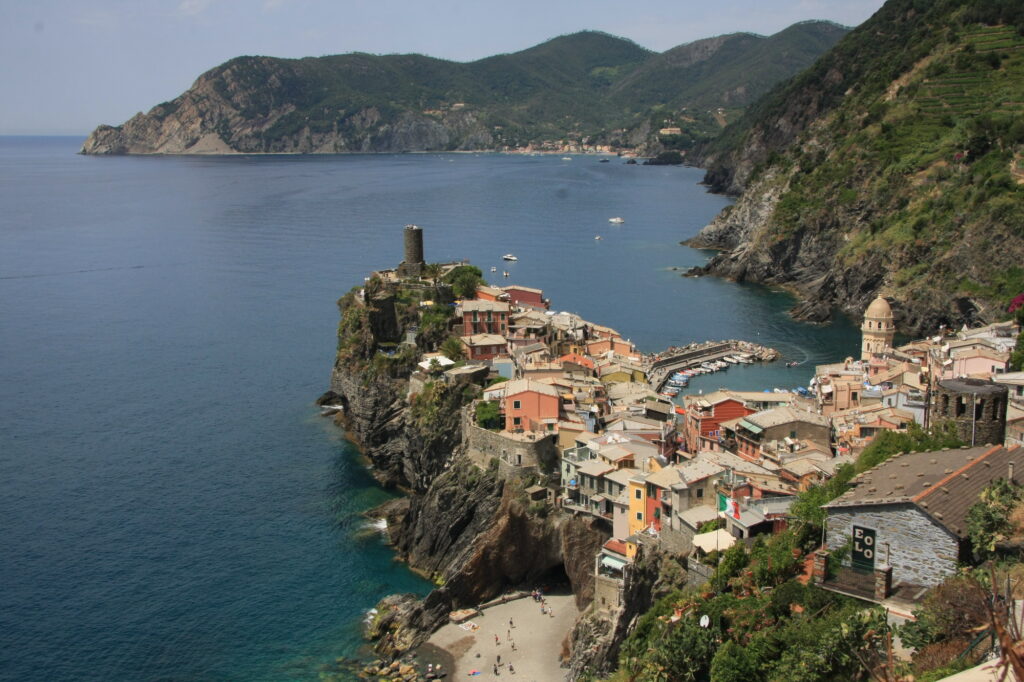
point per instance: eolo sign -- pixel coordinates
(863, 555)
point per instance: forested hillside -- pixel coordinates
(588, 86)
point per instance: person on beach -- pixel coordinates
(511, 669)
(496, 641)
(510, 624)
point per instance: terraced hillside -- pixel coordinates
(907, 182)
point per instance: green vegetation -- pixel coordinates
(464, 280)
(586, 87)
(913, 163)
(988, 519)
(488, 414)
(791, 631)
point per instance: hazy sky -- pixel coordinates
(69, 65)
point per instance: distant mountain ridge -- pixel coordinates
(893, 166)
(585, 85)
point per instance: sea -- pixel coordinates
(172, 506)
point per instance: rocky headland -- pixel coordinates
(468, 528)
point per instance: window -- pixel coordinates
(700, 493)
(639, 516)
(639, 494)
(516, 405)
(853, 396)
(516, 421)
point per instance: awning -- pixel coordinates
(750, 426)
(612, 562)
(719, 539)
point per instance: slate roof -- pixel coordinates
(941, 483)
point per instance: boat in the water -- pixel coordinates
(494, 269)
(509, 256)
(617, 220)
(598, 237)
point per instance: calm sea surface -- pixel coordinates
(171, 505)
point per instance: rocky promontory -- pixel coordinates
(471, 530)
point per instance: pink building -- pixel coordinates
(531, 406)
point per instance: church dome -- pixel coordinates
(879, 308)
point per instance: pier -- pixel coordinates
(662, 365)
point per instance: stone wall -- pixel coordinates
(920, 551)
(513, 454)
(607, 593)
(677, 540)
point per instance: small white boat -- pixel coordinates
(616, 220)
(509, 256)
(494, 269)
(505, 273)
(597, 237)
(566, 158)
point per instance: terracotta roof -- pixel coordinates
(942, 483)
(617, 546)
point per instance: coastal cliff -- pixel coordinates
(465, 527)
(253, 105)
(586, 89)
(892, 167)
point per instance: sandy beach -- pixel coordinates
(537, 639)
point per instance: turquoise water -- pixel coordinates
(172, 506)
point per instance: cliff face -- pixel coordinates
(251, 105)
(891, 167)
(470, 530)
(596, 640)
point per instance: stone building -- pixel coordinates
(905, 520)
(976, 406)
(413, 263)
(878, 329)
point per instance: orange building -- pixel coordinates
(531, 406)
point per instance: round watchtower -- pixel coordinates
(977, 407)
(413, 244)
(878, 329)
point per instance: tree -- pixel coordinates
(432, 271)
(988, 519)
(488, 414)
(734, 663)
(452, 349)
(464, 280)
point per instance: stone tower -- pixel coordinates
(412, 265)
(878, 329)
(976, 406)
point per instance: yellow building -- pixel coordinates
(637, 492)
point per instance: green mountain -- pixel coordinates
(892, 166)
(588, 85)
